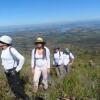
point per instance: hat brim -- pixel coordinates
(40, 42)
(5, 43)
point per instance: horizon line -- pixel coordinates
(49, 23)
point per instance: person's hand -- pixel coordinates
(70, 64)
(13, 72)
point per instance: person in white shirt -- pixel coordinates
(68, 59)
(40, 63)
(58, 62)
(12, 61)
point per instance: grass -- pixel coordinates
(83, 82)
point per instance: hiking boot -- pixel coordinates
(45, 87)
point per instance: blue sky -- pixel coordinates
(20, 12)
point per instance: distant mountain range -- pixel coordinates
(55, 26)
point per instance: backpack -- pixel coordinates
(44, 55)
(67, 53)
(59, 54)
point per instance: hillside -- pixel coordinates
(83, 82)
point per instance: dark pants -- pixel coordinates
(16, 85)
(60, 71)
(67, 68)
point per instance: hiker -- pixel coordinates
(68, 59)
(40, 63)
(12, 62)
(58, 62)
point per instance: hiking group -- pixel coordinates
(12, 62)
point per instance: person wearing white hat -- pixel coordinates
(12, 61)
(40, 63)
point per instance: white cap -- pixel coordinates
(6, 39)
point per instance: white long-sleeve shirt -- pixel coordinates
(9, 62)
(66, 58)
(40, 62)
(58, 58)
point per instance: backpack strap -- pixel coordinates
(44, 55)
(13, 56)
(34, 58)
(59, 54)
(70, 57)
